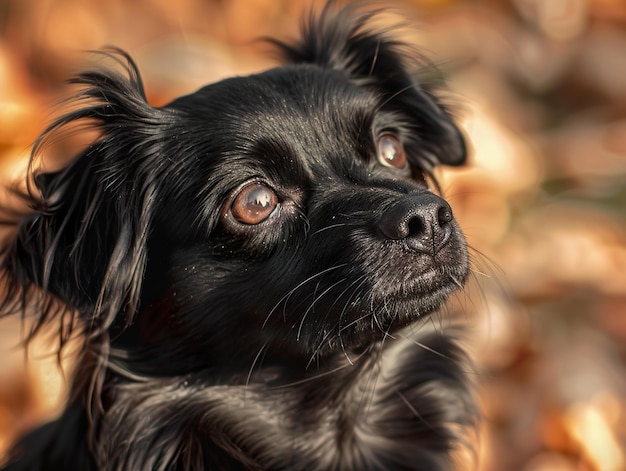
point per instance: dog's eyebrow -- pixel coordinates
(390, 119)
(279, 160)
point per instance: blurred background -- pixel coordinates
(540, 88)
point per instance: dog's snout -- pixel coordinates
(423, 221)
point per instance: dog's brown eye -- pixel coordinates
(390, 152)
(254, 204)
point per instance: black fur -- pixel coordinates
(297, 342)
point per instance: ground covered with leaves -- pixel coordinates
(540, 89)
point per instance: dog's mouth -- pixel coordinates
(417, 295)
(425, 283)
(357, 315)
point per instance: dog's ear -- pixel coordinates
(343, 41)
(85, 241)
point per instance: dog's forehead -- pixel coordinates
(310, 90)
(305, 106)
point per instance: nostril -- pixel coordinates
(444, 215)
(415, 226)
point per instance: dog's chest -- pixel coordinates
(385, 414)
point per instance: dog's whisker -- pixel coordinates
(484, 259)
(392, 317)
(396, 94)
(345, 352)
(311, 306)
(414, 410)
(332, 226)
(313, 378)
(478, 272)
(286, 297)
(358, 281)
(358, 284)
(304, 218)
(456, 282)
(425, 347)
(254, 362)
(356, 217)
(355, 321)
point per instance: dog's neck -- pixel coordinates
(355, 410)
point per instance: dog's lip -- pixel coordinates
(427, 282)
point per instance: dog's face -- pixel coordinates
(309, 222)
(287, 211)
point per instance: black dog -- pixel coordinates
(252, 267)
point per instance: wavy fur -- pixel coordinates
(300, 342)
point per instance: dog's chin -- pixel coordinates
(385, 313)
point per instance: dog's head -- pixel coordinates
(288, 210)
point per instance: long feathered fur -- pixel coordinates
(288, 344)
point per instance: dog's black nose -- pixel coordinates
(423, 221)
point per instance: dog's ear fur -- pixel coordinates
(85, 242)
(344, 41)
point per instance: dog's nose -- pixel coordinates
(423, 221)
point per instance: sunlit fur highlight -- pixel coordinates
(300, 343)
